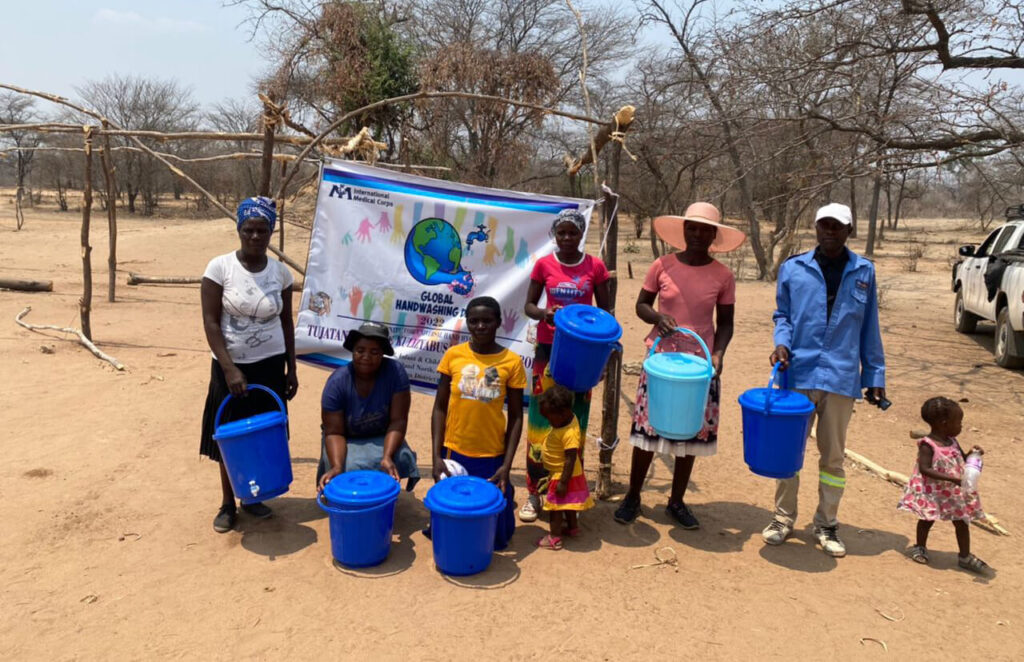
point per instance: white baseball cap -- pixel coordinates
(837, 211)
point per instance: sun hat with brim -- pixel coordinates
(372, 330)
(670, 228)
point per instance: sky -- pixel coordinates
(54, 46)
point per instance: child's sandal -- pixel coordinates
(918, 553)
(973, 563)
(572, 533)
(553, 543)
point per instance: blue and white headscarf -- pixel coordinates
(257, 207)
(569, 216)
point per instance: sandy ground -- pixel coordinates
(108, 550)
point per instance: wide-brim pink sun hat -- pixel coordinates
(670, 228)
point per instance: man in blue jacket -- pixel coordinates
(827, 337)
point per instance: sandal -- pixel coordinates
(572, 533)
(973, 563)
(553, 543)
(918, 553)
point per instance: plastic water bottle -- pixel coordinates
(972, 472)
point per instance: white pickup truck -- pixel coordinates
(989, 285)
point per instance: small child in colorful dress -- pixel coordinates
(934, 491)
(562, 454)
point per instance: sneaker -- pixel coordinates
(225, 519)
(776, 533)
(627, 510)
(528, 513)
(681, 514)
(258, 510)
(829, 541)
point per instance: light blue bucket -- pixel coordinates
(677, 389)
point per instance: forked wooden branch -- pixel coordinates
(63, 329)
(614, 130)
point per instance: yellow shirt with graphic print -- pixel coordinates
(475, 425)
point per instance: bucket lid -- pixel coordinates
(588, 323)
(783, 401)
(677, 366)
(361, 488)
(464, 496)
(255, 423)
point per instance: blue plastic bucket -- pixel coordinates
(361, 508)
(585, 336)
(776, 423)
(677, 389)
(255, 452)
(463, 519)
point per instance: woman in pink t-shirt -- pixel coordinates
(566, 276)
(697, 292)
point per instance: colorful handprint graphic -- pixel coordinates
(523, 255)
(509, 319)
(369, 303)
(354, 298)
(363, 233)
(491, 254)
(386, 301)
(398, 233)
(510, 244)
(460, 218)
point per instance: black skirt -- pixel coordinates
(268, 372)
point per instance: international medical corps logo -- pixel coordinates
(433, 254)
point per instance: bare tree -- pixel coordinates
(145, 104)
(19, 109)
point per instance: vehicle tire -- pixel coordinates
(963, 320)
(1005, 342)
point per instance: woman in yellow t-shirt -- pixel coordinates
(468, 424)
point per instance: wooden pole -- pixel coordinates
(85, 303)
(108, 177)
(876, 188)
(613, 373)
(280, 210)
(267, 162)
(19, 214)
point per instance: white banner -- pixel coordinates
(410, 252)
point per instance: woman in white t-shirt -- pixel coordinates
(247, 316)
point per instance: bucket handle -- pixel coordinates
(703, 346)
(220, 410)
(321, 501)
(778, 375)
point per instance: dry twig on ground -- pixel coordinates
(63, 329)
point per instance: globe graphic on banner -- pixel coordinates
(433, 256)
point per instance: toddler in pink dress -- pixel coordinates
(934, 491)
